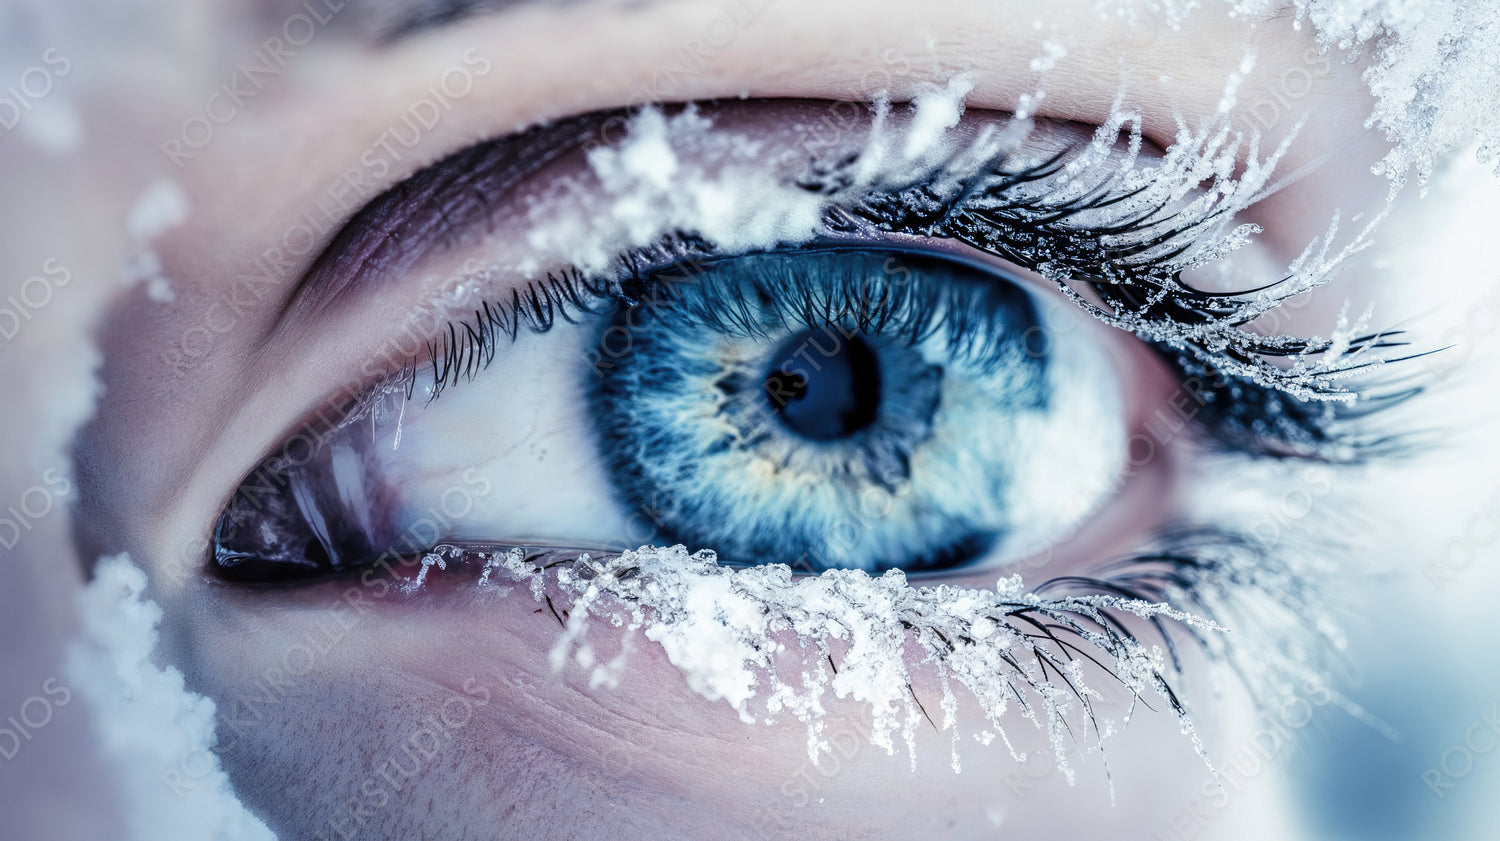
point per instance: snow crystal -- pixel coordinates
(937, 112)
(159, 208)
(54, 126)
(1432, 66)
(1434, 73)
(653, 189)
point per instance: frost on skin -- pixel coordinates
(1434, 75)
(54, 126)
(161, 207)
(653, 188)
(159, 735)
(937, 112)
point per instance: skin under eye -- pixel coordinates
(824, 408)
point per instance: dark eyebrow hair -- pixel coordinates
(387, 22)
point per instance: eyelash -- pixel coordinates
(468, 346)
(1202, 579)
(1244, 404)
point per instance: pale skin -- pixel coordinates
(545, 755)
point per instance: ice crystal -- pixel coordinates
(1432, 68)
(1434, 72)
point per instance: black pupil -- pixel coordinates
(824, 385)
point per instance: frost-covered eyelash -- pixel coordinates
(1132, 258)
(1072, 235)
(1030, 654)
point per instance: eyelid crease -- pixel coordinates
(434, 208)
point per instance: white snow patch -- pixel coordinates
(161, 207)
(937, 112)
(54, 126)
(148, 723)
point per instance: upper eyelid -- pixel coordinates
(446, 201)
(443, 202)
(416, 218)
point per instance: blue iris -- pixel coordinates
(822, 408)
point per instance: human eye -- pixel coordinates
(755, 395)
(746, 463)
(811, 407)
(726, 354)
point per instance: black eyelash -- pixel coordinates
(469, 345)
(1132, 266)
(1243, 417)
